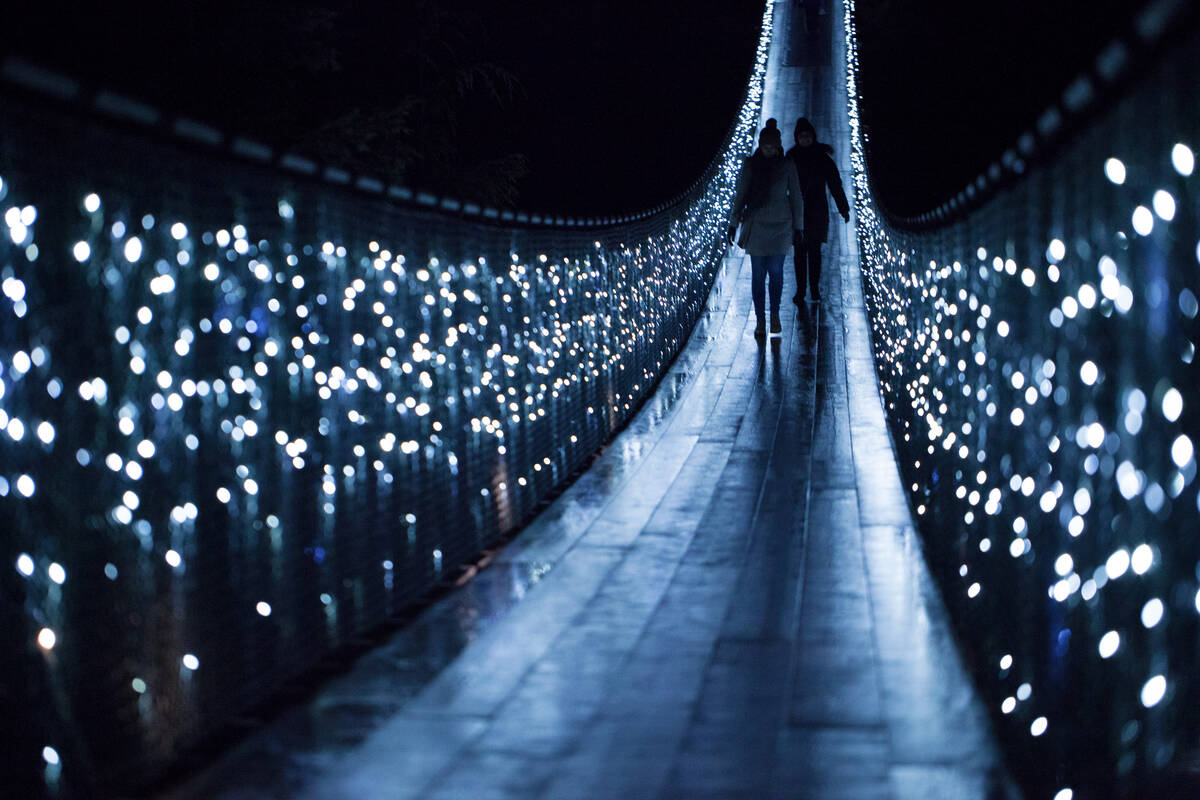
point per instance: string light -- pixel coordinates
(1036, 355)
(253, 409)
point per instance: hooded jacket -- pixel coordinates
(816, 171)
(768, 205)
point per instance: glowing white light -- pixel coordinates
(25, 564)
(133, 250)
(178, 231)
(1065, 794)
(1142, 558)
(1089, 372)
(1143, 220)
(146, 448)
(1164, 205)
(1152, 612)
(1109, 643)
(13, 289)
(1117, 564)
(1009, 705)
(1039, 726)
(1154, 690)
(1087, 295)
(50, 755)
(46, 639)
(1082, 500)
(1063, 565)
(1115, 170)
(57, 573)
(1172, 404)
(1183, 159)
(15, 429)
(45, 432)
(162, 284)
(191, 662)
(26, 486)
(92, 203)
(82, 251)
(263, 608)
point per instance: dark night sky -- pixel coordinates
(619, 104)
(947, 85)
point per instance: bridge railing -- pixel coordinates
(247, 414)
(1035, 346)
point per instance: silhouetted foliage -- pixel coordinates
(413, 133)
(305, 76)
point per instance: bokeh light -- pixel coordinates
(228, 397)
(1034, 341)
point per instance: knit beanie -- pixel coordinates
(804, 126)
(770, 134)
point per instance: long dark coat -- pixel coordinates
(816, 171)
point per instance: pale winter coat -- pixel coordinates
(768, 205)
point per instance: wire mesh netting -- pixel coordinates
(247, 414)
(1035, 345)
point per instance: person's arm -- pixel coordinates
(834, 179)
(740, 199)
(795, 197)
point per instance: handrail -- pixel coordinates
(251, 405)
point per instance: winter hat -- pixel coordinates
(804, 126)
(770, 134)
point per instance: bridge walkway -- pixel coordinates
(732, 602)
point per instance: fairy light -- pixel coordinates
(313, 396)
(1074, 427)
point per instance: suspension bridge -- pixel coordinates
(316, 487)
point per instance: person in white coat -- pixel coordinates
(769, 208)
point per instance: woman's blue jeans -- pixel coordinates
(762, 267)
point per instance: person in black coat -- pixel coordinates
(816, 170)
